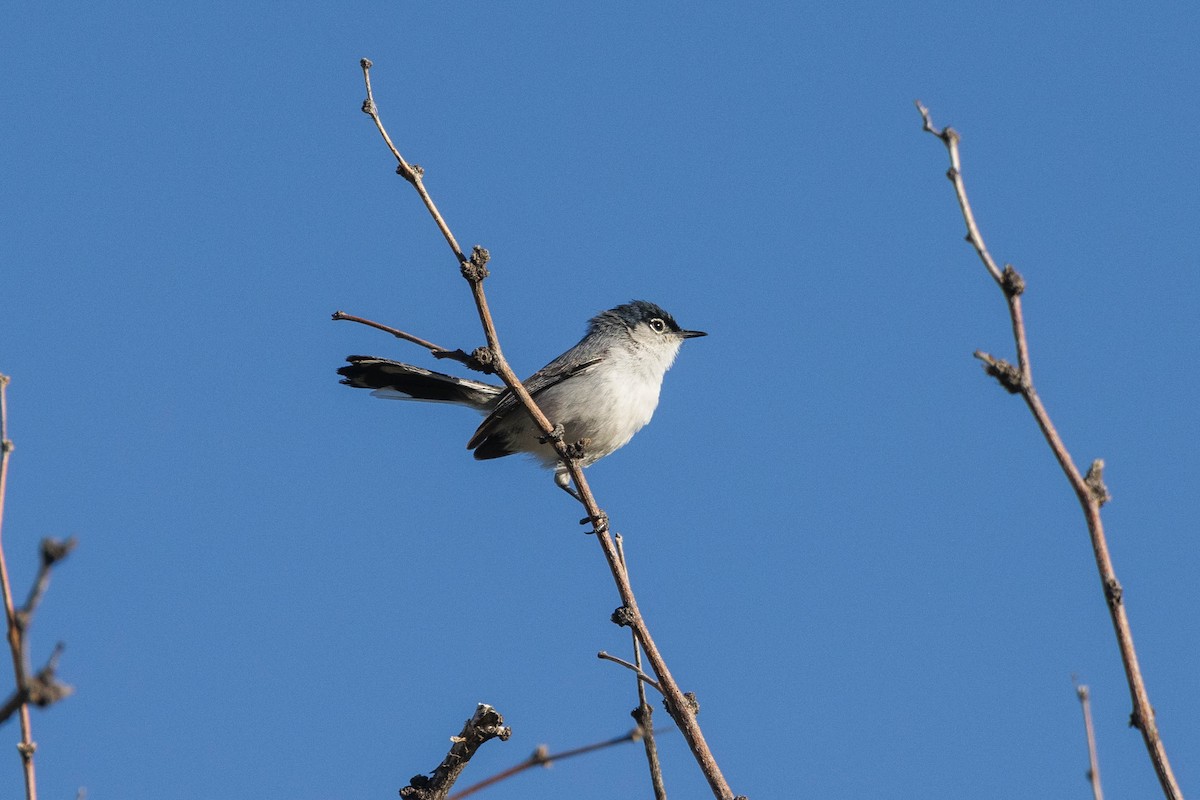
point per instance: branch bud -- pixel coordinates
(1012, 282)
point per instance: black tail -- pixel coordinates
(393, 379)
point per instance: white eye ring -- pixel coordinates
(658, 325)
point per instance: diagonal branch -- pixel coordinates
(474, 270)
(483, 726)
(644, 713)
(643, 678)
(1088, 489)
(542, 757)
(52, 551)
(476, 361)
(1093, 773)
(16, 638)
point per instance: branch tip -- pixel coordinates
(926, 119)
(55, 550)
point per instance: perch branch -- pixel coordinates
(1089, 490)
(474, 270)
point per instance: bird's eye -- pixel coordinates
(657, 325)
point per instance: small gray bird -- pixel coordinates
(602, 391)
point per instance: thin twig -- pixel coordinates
(474, 270)
(542, 757)
(410, 172)
(483, 726)
(399, 334)
(472, 361)
(1089, 490)
(1093, 773)
(634, 668)
(644, 713)
(16, 637)
(52, 551)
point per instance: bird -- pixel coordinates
(601, 391)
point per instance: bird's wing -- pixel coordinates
(552, 374)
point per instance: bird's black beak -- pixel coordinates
(692, 334)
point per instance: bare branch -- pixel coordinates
(484, 725)
(52, 551)
(474, 270)
(410, 172)
(16, 638)
(1090, 493)
(480, 360)
(542, 757)
(644, 714)
(1093, 773)
(634, 668)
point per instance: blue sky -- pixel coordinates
(850, 543)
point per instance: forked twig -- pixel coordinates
(1088, 489)
(474, 270)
